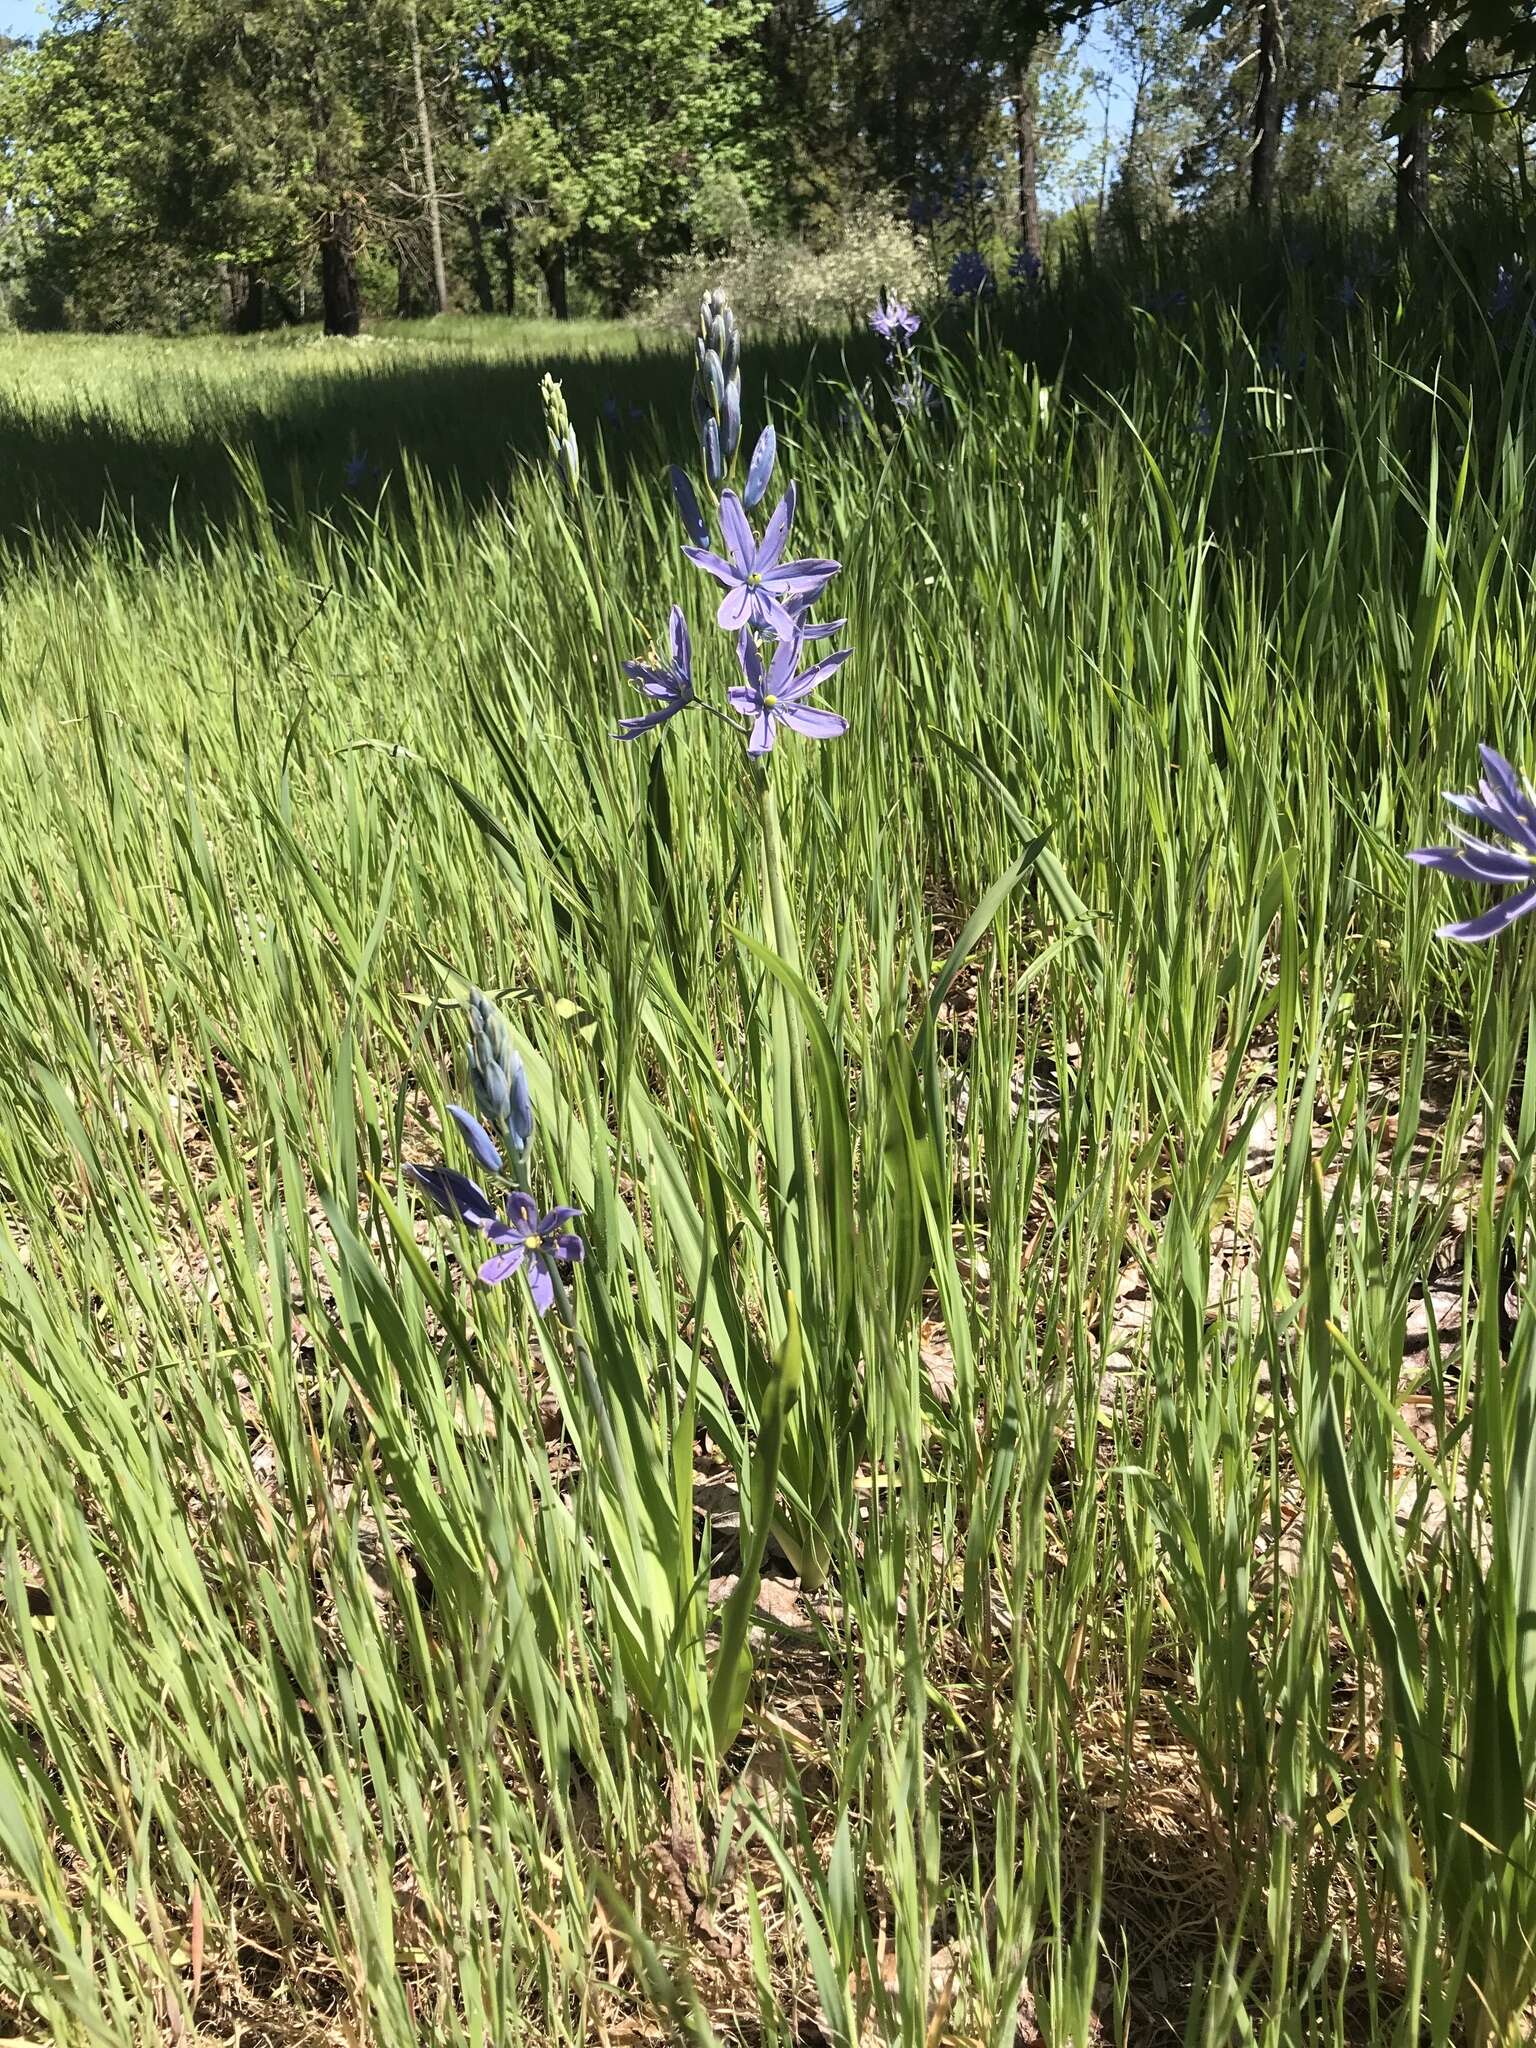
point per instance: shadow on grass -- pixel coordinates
(326, 441)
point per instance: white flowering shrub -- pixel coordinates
(777, 281)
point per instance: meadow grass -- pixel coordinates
(1154, 1186)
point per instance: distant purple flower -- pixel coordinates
(1026, 267)
(530, 1239)
(1506, 287)
(970, 276)
(1205, 426)
(776, 696)
(1503, 804)
(1348, 293)
(671, 686)
(895, 323)
(759, 586)
(1281, 361)
(357, 470)
(611, 411)
(916, 394)
(923, 209)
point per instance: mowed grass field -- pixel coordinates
(1142, 1645)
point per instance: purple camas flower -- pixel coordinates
(895, 323)
(1348, 293)
(1506, 287)
(522, 1235)
(671, 686)
(776, 695)
(1504, 804)
(915, 394)
(531, 1240)
(1026, 267)
(760, 586)
(357, 470)
(970, 276)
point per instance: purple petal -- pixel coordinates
(737, 530)
(655, 682)
(747, 702)
(502, 1266)
(822, 632)
(1492, 922)
(1503, 775)
(751, 661)
(800, 579)
(760, 468)
(714, 565)
(1475, 863)
(761, 741)
(631, 728)
(477, 1138)
(682, 646)
(540, 1285)
(1492, 812)
(781, 668)
(736, 607)
(569, 1246)
(455, 1194)
(1514, 795)
(554, 1220)
(776, 532)
(688, 507)
(815, 676)
(812, 724)
(523, 1210)
(771, 616)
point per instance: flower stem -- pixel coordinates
(591, 1385)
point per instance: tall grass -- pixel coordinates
(1154, 1187)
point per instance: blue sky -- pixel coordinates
(22, 17)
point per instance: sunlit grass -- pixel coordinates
(349, 1688)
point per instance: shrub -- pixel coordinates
(781, 281)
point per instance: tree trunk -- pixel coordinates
(253, 306)
(508, 261)
(428, 172)
(1413, 133)
(553, 266)
(338, 273)
(479, 271)
(1268, 112)
(1026, 127)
